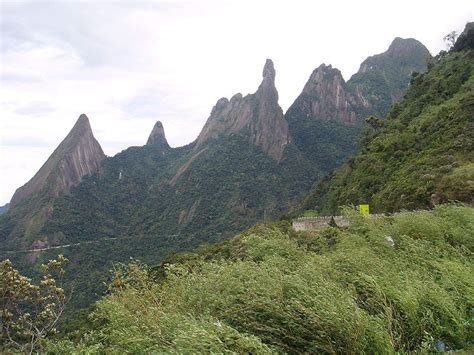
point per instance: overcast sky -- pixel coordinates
(128, 64)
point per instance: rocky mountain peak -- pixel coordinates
(407, 48)
(322, 77)
(220, 105)
(83, 119)
(402, 53)
(258, 115)
(383, 78)
(79, 154)
(325, 96)
(465, 39)
(267, 89)
(157, 136)
(82, 127)
(399, 43)
(269, 71)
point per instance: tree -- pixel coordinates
(375, 122)
(450, 39)
(29, 312)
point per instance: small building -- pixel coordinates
(317, 223)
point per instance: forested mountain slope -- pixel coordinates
(248, 164)
(422, 154)
(327, 117)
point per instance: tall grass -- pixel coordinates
(273, 290)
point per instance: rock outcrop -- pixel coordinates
(327, 97)
(466, 38)
(79, 154)
(381, 81)
(383, 78)
(326, 118)
(257, 116)
(4, 208)
(157, 136)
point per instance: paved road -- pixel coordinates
(57, 246)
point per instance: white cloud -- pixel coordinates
(128, 64)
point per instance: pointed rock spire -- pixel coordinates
(267, 89)
(258, 115)
(157, 136)
(79, 154)
(269, 72)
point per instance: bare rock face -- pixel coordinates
(79, 154)
(258, 116)
(381, 80)
(326, 97)
(465, 39)
(157, 136)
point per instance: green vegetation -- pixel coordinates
(383, 78)
(228, 188)
(273, 290)
(421, 154)
(327, 144)
(402, 283)
(29, 313)
(310, 213)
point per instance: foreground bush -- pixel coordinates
(28, 312)
(400, 283)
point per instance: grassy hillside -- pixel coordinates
(421, 155)
(400, 283)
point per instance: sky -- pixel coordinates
(128, 64)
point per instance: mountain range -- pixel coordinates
(381, 283)
(251, 162)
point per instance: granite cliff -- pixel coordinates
(383, 78)
(326, 119)
(327, 97)
(78, 155)
(258, 116)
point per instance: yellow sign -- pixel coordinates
(364, 209)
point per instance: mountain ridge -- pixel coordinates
(248, 164)
(326, 119)
(77, 155)
(258, 114)
(422, 154)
